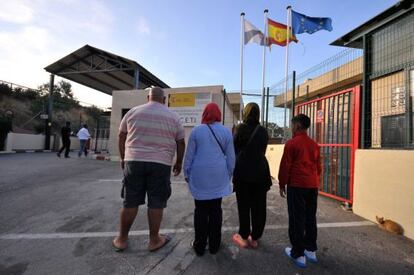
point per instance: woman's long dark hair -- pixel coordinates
(251, 113)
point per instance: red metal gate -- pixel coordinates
(335, 126)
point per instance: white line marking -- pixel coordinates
(120, 180)
(162, 231)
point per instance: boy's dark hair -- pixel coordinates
(302, 120)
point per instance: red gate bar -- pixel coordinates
(331, 103)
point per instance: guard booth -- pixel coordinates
(335, 127)
(187, 102)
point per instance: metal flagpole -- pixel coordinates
(241, 64)
(264, 67)
(288, 23)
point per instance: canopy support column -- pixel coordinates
(48, 129)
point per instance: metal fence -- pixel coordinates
(385, 70)
(340, 71)
(100, 139)
(335, 127)
(389, 86)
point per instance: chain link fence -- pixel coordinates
(340, 71)
(388, 109)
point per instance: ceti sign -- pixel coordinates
(189, 106)
(181, 100)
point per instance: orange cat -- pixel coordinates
(390, 226)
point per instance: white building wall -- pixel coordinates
(16, 141)
(128, 99)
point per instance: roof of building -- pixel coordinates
(353, 39)
(103, 71)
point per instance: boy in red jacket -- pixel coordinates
(299, 171)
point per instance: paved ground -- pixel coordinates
(58, 216)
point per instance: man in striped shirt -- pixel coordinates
(149, 135)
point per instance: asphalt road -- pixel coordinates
(58, 216)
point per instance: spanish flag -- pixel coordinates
(277, 33)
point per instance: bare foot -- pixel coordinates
(119, 245)
(253, 243)
(159, 243)
(239, 241)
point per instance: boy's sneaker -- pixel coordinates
(311, 256)
(299, 261)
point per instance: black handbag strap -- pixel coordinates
(215, 137)
(253, 134)
(250, 139)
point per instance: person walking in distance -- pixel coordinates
(65, 133)
(149, 135)
(251, 177)
(208, 168)
(83, 136)
(299, 171)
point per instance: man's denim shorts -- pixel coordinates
(150, 178)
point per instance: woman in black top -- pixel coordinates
(251, 177)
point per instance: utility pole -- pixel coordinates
(48, 126)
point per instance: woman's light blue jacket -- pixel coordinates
(207, 169)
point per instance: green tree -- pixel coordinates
(94, 112)
(62, 95)
(65, 89)
(274, 130)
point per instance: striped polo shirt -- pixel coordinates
(152, 131)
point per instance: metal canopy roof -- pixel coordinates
(103, 71)
(353, 39)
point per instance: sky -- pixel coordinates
(183, 42)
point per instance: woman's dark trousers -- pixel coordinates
(208, 218)
(251, 204)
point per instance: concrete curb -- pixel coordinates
(90, 156)
(99, 157)
(33, 151)
(25, 151)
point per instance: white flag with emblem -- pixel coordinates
(252, 34)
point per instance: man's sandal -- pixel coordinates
(167, 240)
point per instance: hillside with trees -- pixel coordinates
(21, 109)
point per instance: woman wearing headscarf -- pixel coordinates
(208, 168)
(251, 177)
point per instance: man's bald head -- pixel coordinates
(156, 94)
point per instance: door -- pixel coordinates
(335, 127)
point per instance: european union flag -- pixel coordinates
(302, 23)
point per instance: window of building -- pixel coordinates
(392, 110)
(124, 111)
